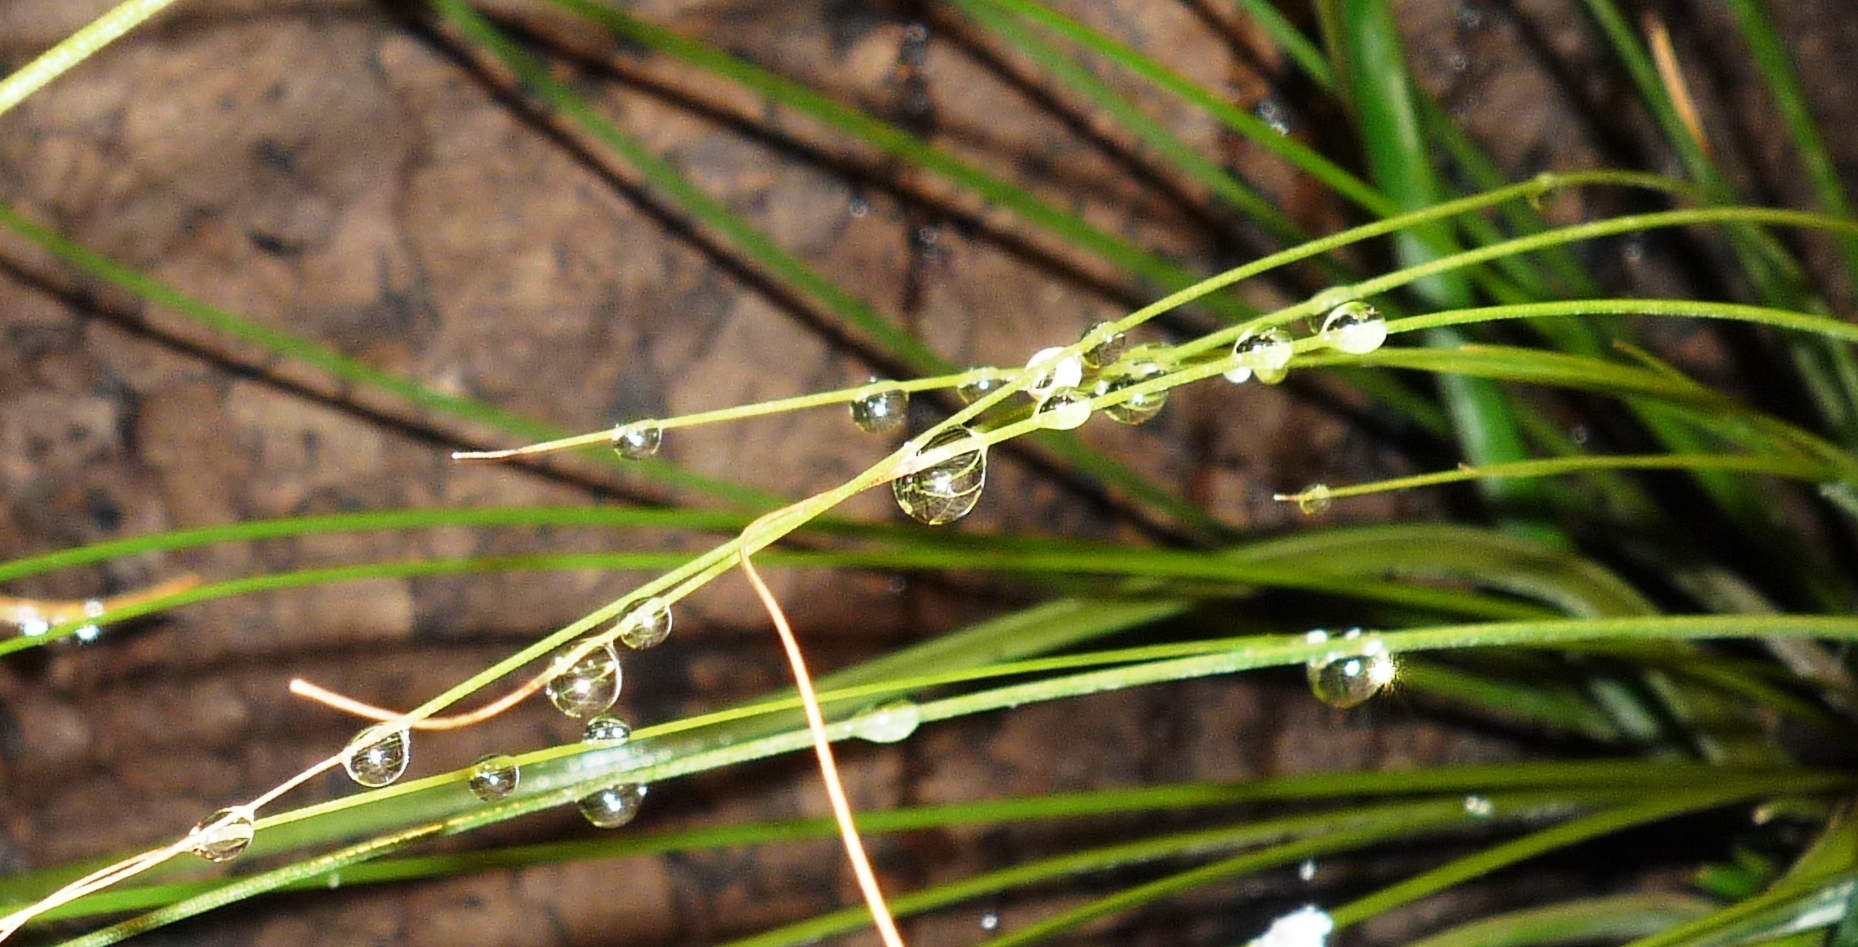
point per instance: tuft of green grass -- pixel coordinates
(1652, 613)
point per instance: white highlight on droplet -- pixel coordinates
(1307, 927)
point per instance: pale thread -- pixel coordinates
(828, 769)
(51, 612)
(349, 705)
(1665, 58)
(136, 864)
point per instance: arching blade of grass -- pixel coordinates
(1183, 156)
(790, 270)
(1342, 834)
(1584, 921)
(1156, 799)
(1432, 882)
(1364, 40)
(1829, 374)
(1107, 100)
(355, 374)
(1777, 69)
(1470, 157)
(76, 48)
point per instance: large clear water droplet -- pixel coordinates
(1262, 355)
(1103, 345)
(378, 755)
(1355, 328)
(888, 722)
(494, 777)
(1138, 408)
(1052, 373)
(881, 411)
(221, 836)
(646, 625)
(606, 728)
(1065, 410)
(613, 806)
(637, 440)
(1345, 678)
(589, 685)
(947, 491)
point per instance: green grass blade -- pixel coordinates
(76, 48)
(1365, 41)
(1589, 920)
(1771, 58)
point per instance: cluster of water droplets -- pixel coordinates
(33, 623)
(587, 685)
(1352, 328)
(1357, 669)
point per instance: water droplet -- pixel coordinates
(979, 386)
(378, 755)
(31, 623)
(1052, 373)
(646, 625)
(1355, 328)
(637, 440)
(1271, 112)
(944, 492)
(86, 634)
(990, 921)
(1345, 679)
(1066, 410)
(1103, 345)
(589, 685)
(911, 51)
(613, 806)
(888, 722)
(221, 836)
(1314, 499)
(494, 777)
(1265, 355)
(1307, 870)
(606, 728)
(1306, 927)
(1137, 408)
(1478, 807)
(881, 411)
